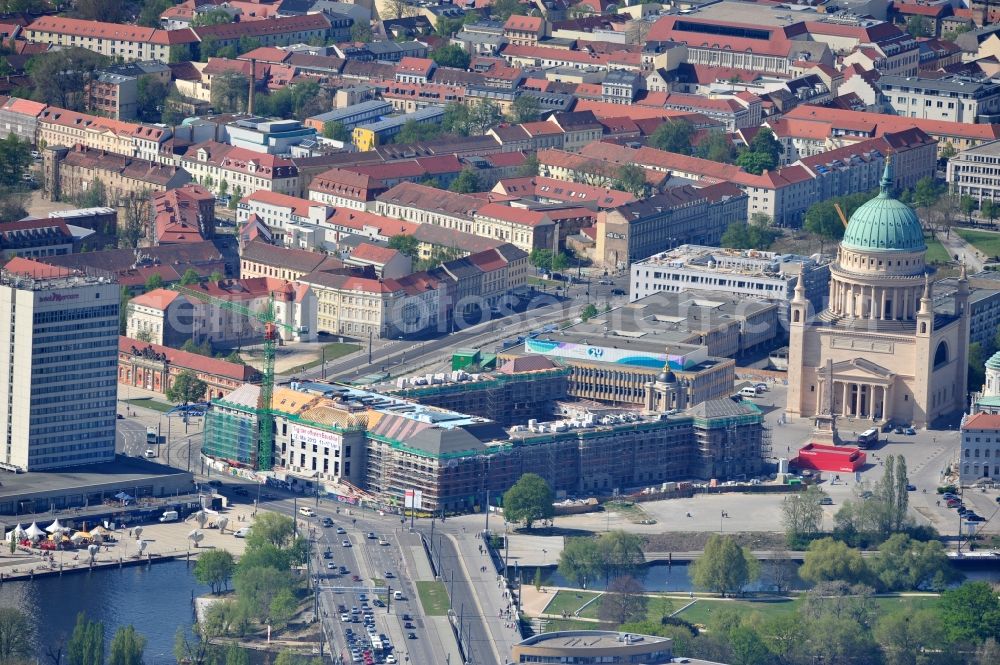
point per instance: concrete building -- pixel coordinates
(114, 92)
(879, 351)
(954, 99)
(58, 396)
(681, 215)
(272, 137)
(351, 116)
(35, 238)
(767, 276)
(117, 41)
(20, 118)
(593, 646)
(979, 455)
(973, 172)
(68, 173)
(370, 135)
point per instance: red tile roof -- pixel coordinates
(370, 253)
(35, 269)
(24, 107)
(520, 216)
(192, 361)
(273, 26)
(156, 299)
(989, 421)
(116, 31)
(298, 206)
(880, 123)
(524, 23)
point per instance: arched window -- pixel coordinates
(795, 316)
(941, 355)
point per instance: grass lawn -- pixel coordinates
(701, 611)
(150, 403)
(332, 350)
(630, 511)
(655, 610)
(569, 602)
(554, 625)
(433, 598)
(936, 253)
(986, 242)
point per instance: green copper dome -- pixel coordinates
(994, 361)
(884, 224)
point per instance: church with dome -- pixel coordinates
(878, 352)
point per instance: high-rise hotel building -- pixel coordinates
(59, 351)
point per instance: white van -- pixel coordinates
(397, 595)
(748, 391)
(307, 512)
(169, 516)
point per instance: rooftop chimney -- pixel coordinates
(253, 77)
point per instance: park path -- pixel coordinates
(955, 245)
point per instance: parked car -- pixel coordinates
(411, 636)
(909, 431)
(346, 543)
(826, 501)
(327, 522)
(242, 532)
(910, 487)
(898, 430)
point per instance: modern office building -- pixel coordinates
(767, 276)
(974, 172)
(59, 333)
(955, 99)
(593, 646)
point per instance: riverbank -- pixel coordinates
(164, 542)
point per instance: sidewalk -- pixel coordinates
(955, 244)
(491, 596)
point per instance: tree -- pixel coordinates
(336, 131)
(190, 277)
(632, 179)
(828, 559)
(529, 500)
(86, 644)
(215, 568)
(112, 11)
(926, 192)
(149, 15)
(580, 560)
(989, 209)
(560, 261)
(967, 205)
(273, 529)
(467, 182)
(187, 387)
(399, 9)
(154, 282)
(904, 564)
(948, 150)
(673, 136)
(763, 153)
(94, 196)
(802, 514)
(588, 312)
(537, 581)
(483, 115)
(529, 168)
(623, 601)
(918, 26)
(61, 77)
(904, 636)
(620, 554)
(451, 55)
(456, 118)
(717, 147)
(740, 235)
(501, 10)
(724, 566)
(891, 491)
(216, 277)
(15, 635)
(541, 259)
(151, 94)
(283, 607)
(124, 295)
(229, 92)
(970, 613)
(525, 108)
(15, 158)
(362, 32)
(988, 653)
(413, 132)
(127, 646)
(138, 214)
(257, 587)
(212, 17)
(748, 648)
(405, 244)
(236, 655)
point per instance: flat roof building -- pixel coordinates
(593, 646)
(59, 331)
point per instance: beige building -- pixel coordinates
(117, 41)
(57, 126)
(974, 172)
(879, 352)
(72, 172)
(243, 171)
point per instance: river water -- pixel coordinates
(156, 600)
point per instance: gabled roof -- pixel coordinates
(432, 199)
(524, 23)
(272, 26)
(156, 299)
(375, 254)
(193, 361)
(35, 269)
(985, 421)
(299, 260)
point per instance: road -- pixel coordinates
(956, 246)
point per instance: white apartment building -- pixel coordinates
(754, 274)
(285, 215)
(117, 41)
(953, 99)
(59, 388)
(975, 172)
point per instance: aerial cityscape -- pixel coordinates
(499, 331)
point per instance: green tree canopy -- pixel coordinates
(530, 167)
(904, 564)
(154, 282)
(740, 235)
(451, 55)
(405, 244)
(215, 568)
(580, 560)
(525, 108)
(631, 178)
(970, 613)
(802, 514)
(483, 115)
(186, 388)
(15, 158)
(86, 644)
(467, 182)
(336, 131)
(623, 601)
(190, 277)
(724, 567)
(529, 500)
(271, 528)
(828, 559)
(673, 136)
(61, 77)
(127, 646)
(149, 15)
(501, 10)
(717, 147)
(15, 636)
(414, 132)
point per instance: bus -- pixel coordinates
(868, 438)
(152, 435)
